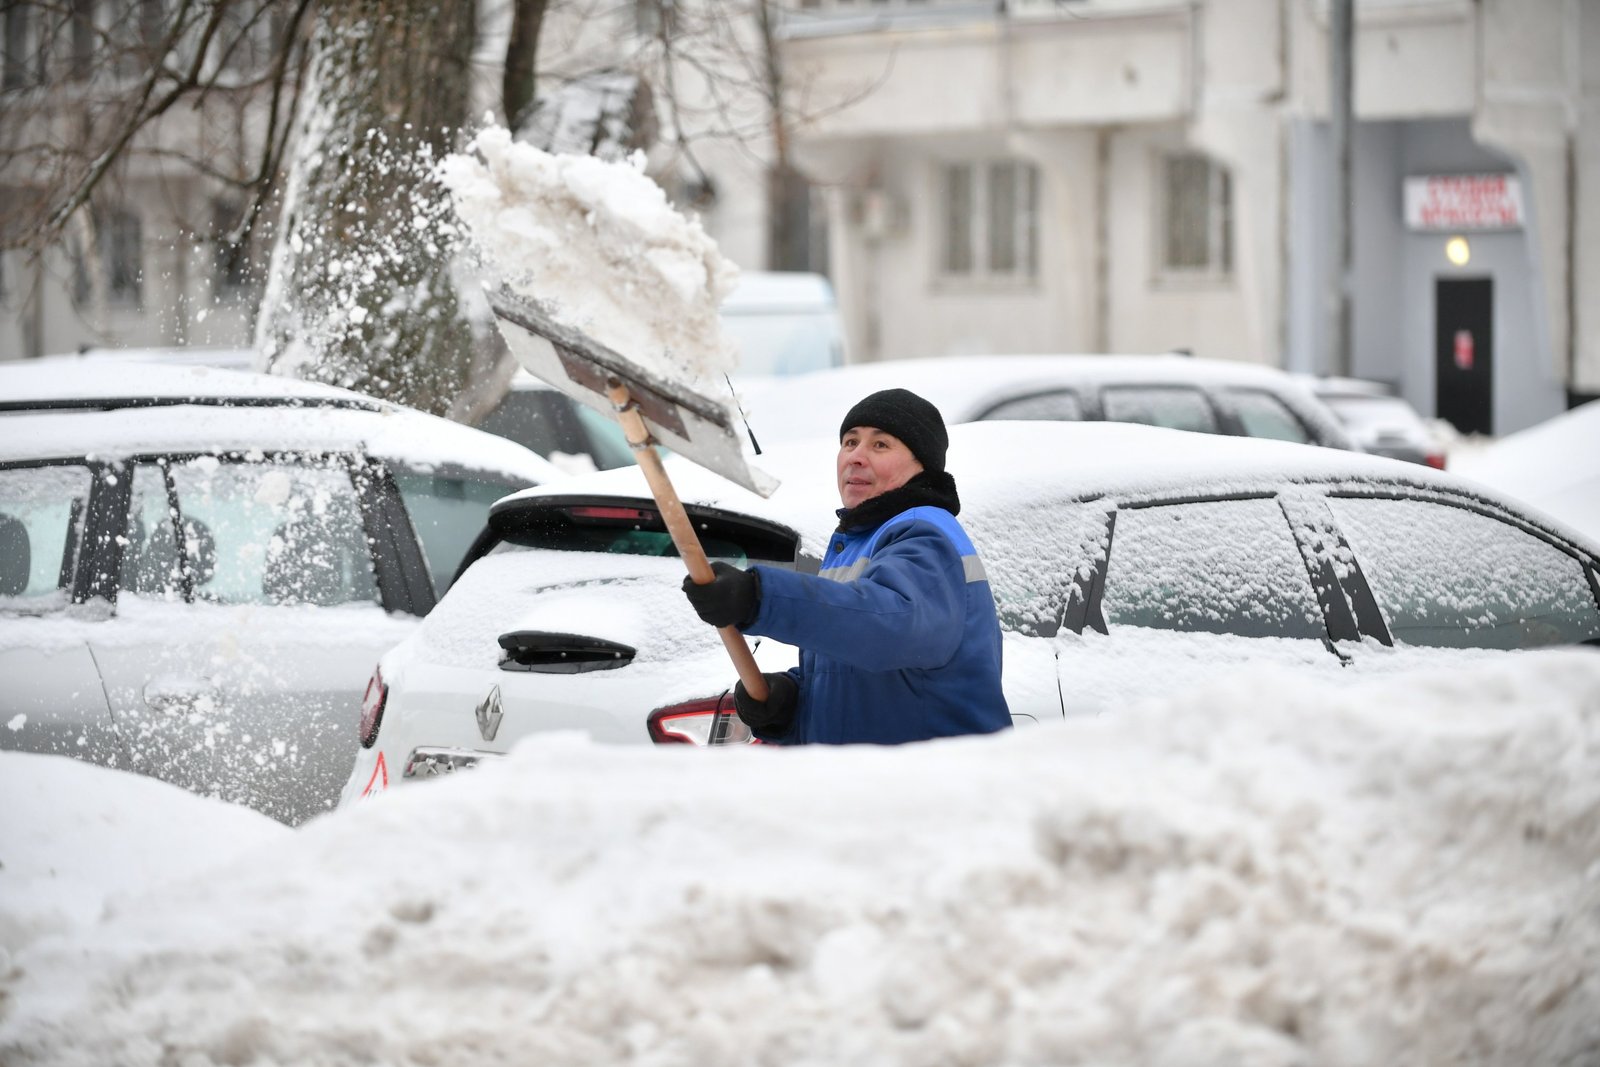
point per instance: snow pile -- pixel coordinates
(599, 244)
(1262, 873)
(76, 835)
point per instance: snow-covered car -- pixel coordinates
(1179, 392)
(198, 566)
(1379, 421)
(1554, 466)
(1127, 562)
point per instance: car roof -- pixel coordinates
(1349, 387)
(100, 382)
(963, 387)
(62, 409)
(998, 464)
(764, 291)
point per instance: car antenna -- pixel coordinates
(742, 418)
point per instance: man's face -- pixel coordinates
(872, 462)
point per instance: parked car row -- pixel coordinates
(1178, 392)
(1127, 561)
(197, 566)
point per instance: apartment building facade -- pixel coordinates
(995, 176)
(1146, 175)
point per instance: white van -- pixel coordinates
(784, 323)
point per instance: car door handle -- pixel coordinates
(168, 694)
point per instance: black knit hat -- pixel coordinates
(912, 419)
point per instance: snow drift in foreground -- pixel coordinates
(602, 246)
(1260, 874)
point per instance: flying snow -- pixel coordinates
(601, 247)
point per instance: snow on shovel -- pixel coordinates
(652, 410)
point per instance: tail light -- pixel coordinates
(1435, 460)
(372, 708)
(711, 721)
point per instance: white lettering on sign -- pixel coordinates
(1463, 202)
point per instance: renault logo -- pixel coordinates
(489, 714)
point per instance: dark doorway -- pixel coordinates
(1463, 353)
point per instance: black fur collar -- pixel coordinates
(935, 488)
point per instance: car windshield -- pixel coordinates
(636, 529)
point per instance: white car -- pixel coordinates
(1379, 421)
(1554, 466)
(1179, 392)
(198, 566)
(1127, 562)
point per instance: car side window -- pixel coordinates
(1061, 405)
(1223, 567)
(448, 511)
(1450, 577)
(1261, 414)
(1034, 557)
(1176, 407)
(273, 532)
(41, 523)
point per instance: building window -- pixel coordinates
(122, 253)
(1197, 211)
(22, 59)
(654, 18)
(991, 220)
(83, 40)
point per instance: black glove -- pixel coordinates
(730, 599)
(774, 714)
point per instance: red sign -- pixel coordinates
(1464, 202)
(1463, 350)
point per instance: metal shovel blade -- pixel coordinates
(693, 425)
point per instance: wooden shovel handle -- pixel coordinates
(682, 531)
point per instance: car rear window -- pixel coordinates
(1175, 407)
(635, 528)
(1061, 405)
(1450, 577)
(1222, 567)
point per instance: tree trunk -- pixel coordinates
(361, 291)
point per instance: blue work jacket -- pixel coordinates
(897, 634)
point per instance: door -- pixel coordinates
(248, 621)
(1463, 350)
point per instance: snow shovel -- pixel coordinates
(652, 410)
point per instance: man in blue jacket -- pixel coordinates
(897, 633)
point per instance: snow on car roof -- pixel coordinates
(963, 387)
(58, 379)
(216, 423)
(995, 463)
